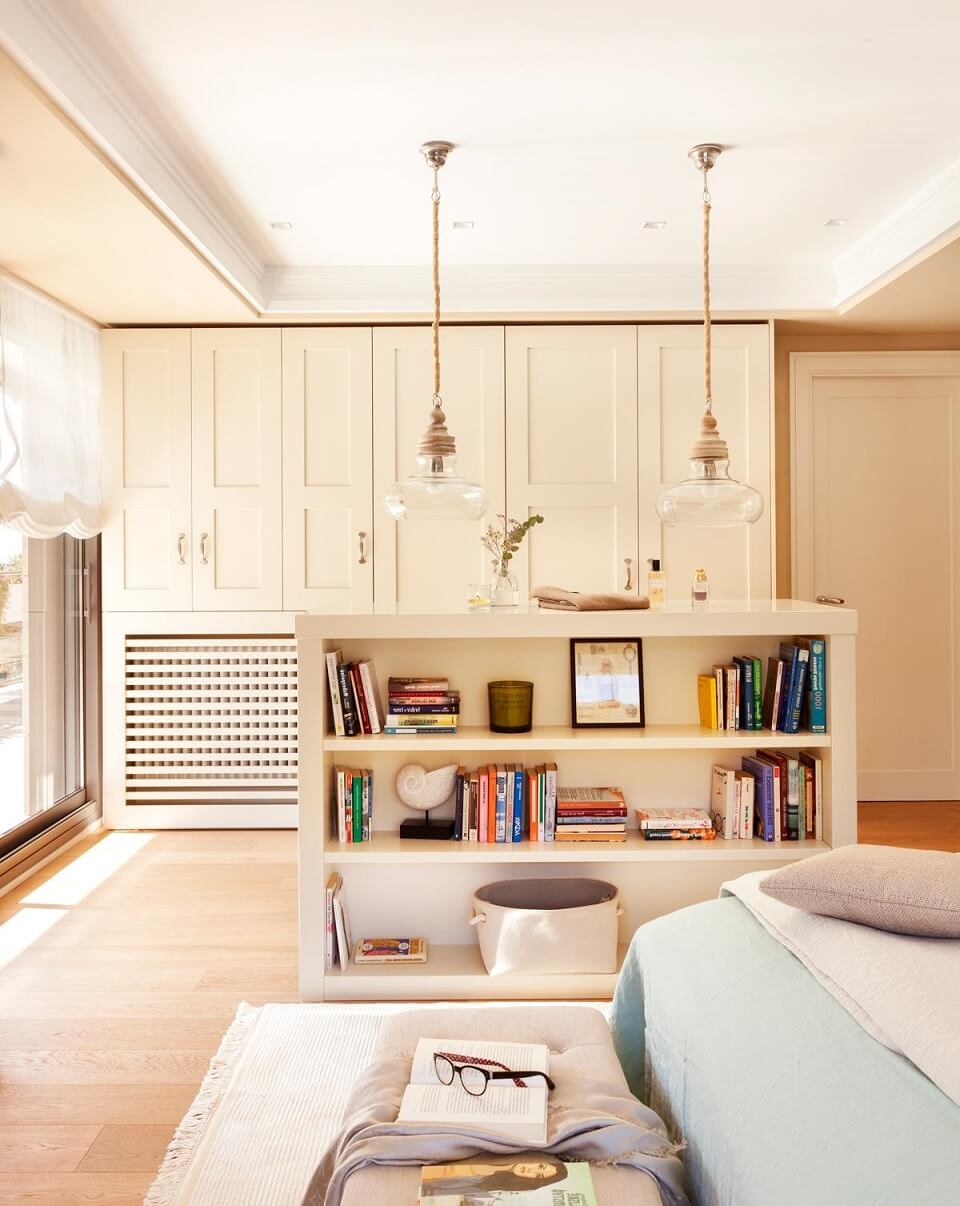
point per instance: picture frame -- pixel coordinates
(606, 683)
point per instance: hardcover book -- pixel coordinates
(519, 1180)
(765, 792)
(391, 950)
(674, 818)
(707, 700)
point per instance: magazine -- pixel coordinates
(527, 1179)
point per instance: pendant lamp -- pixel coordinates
(708, 497)
(436, 490)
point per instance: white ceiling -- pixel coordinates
(572, 122)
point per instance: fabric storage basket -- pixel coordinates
(544, 926)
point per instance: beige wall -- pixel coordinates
(785, 342)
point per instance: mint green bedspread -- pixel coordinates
(782, 1098)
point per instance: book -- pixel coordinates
(420, 720)
(500, 833)
(333, 660)
(368, 683)
(510, 794)
(483, 812)
(505, 1109)
(720, 679)
(798, 657)
(550, 801)
(519, 793)
(707, 700)
(412, 730)
(491, 803)
(815, 765)
(425, 699)
(757, 694)
(356, 802)
(423, 709)
(779, 763)
(474, 806)
(815, 703)
(344, 945)
(330, 950)
(723, 803)
(590, 796)
(351, 719)
(458, 796)
(397, 685)
(533, 793)
(564, 835)
(391, 950)
(772, 692)
(360, 698)
(613, 818)
(765, 789)
(674, 818)
(745, 787)
(679, 835)
(746, 697)
(539, 1181)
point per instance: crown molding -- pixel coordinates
(918, 228)
(547, 288)
(63, 55)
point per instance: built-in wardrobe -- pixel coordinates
(244, 475)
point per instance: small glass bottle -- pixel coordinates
(655, 582)
(700, 590)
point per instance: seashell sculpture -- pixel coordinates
(421, 789)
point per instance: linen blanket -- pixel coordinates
(555, 598)
(594, 1119)
(904, 991)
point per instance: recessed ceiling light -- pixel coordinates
(836, 221)
(465, 224)
(281, 226)
(659, 225)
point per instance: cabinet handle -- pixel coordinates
(628, 584)
(363, 548)
(203, 548)
(182, 548)
(832, 600)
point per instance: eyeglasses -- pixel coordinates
(476, 1073)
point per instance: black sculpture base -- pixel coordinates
(441, 831)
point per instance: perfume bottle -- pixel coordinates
(655, 582)
(700, 590)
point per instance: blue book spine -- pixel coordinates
(518, 789)
(798, 691)
(746, 691)
(788, 655)
(763, 795)
(817, 689)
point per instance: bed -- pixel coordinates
(782, 1097)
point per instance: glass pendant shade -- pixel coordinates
(436, 491)
(709, 497)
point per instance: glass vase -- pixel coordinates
(504, 589)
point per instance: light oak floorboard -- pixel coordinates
(42, 1148)
(923, 824)
(133, 1147)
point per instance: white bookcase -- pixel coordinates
(402, 887)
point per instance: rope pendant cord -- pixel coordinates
(707, 331)
(435, 197)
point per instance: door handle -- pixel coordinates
(628, 583)
(363, 548)
(832, 600)
(182, 548)
(203, 548)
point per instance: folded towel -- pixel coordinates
(554, 598)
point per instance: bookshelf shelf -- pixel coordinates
(565, 738)
(406, 888)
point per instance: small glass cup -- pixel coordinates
(511, 706)
(478, 596)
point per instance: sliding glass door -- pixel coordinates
(47, 661)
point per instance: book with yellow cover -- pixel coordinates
(707, 699)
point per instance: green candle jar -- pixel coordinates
(511, 706)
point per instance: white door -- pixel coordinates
(237, 505)
(738, 561)
(426, 566)
(876, 522)
(572, 454)
(147, 549)
(328, 522)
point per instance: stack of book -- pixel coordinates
(591, 814)
(676, 824)
(735, 695)
(421, 705)
(731, 805)
(502, 802)
(353, 804)
(354, 705)
(788, 794)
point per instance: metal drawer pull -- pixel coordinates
(203, 548)
(628, 584)
(363, 548)
(182, 548)
(833, 600)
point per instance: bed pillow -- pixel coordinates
(904, 891)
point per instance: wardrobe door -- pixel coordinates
(327, 469)
(738, 561)
(147, 549)
(572, 454)
(425, 566)
(237, 526)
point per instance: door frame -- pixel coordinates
(805, 369)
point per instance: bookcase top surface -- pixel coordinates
(762, 617)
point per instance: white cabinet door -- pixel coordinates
(146, 462)
(426, 566)
(237, 525)
(738, 561)
(327, 469)
(572, 454)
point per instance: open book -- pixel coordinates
(504, 1109)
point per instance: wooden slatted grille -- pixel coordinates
(211, 720)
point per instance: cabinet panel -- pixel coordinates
(236, 470)
(426, 566)
(571, 453)
(738, 561)
(146, 463)
(328, 524)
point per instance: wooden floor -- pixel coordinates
(122, 964)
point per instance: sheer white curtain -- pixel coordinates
(49, 416)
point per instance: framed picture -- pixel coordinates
(606, 684)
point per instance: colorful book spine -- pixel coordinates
(491, 803)
(757, 694)
(817, 686)
(707, 700)
(745, 666)
(351, 719)
(511, 776)
(771, 693)
(333, 678)
(532, 794)
(519, 785)
(368, 684)
(798, 690)
(474, 807)
(764, 802)
(550, 800)
(418, 709)
(356, 811)
(483, 806)
(458, 806)
(500, 831)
